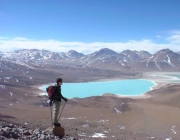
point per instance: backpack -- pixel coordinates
(49, 90)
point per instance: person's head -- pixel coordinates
(59, 81)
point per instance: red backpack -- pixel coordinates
(50, 90)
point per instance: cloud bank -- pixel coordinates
(8, 45)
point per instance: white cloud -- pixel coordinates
(20, 39)
(175, 37)
(7, 45)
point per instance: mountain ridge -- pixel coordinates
(162, 60)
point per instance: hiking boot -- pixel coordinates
(57, 124)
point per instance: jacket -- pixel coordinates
(56, 94)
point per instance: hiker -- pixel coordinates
(55, 101)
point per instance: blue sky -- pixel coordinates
(89, 25)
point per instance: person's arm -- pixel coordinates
(65, 99)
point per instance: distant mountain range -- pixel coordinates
(163, 60)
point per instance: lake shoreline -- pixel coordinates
(159, 79)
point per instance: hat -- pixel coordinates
(58, 80)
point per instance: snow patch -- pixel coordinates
(169, 61)
(11, 93)
(172, 129)
(98, 135)
(103, 121)
(85, 125)
(168, 138)
(7, 78)
(83, 135)
(72, 118)
(2, 86)
(121, 127)
(157, 65)
(117, 111)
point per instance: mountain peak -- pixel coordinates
(127, 50)
(71, 51)
(107, 51)
(165, 51)
(143, 54)
(163, 60)
(74, 53)
(131, 54)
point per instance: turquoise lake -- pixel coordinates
(132, 87)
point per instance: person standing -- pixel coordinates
(55, 101)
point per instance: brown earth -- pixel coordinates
(120, 118)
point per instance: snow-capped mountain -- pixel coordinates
(33, 54)
(163, 60)
(166, 59)
(74, 54)
(133, 56)
(26, 67)
(143, 54)
(101, 54)
(105, 57)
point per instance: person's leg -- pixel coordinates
(56, 106)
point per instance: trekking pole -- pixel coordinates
(51, 115)
(61, 111)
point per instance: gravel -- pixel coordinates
(10, 131)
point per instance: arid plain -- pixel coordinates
(154, 115)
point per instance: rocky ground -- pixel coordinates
(98, 117)
(12, 131)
